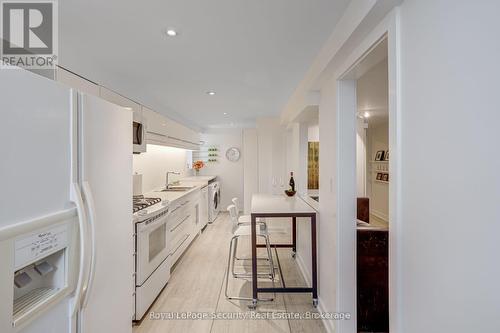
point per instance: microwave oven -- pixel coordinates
(139, 137)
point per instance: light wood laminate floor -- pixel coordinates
(197, 286)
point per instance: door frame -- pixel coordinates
(388, 28)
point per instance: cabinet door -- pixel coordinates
(194, 137)
(162, 130)
(156, 126)
(76, 82)
(183, 136)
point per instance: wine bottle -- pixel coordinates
(292, 182)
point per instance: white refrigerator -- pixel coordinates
(66, 233)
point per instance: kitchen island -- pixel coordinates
(270, 206)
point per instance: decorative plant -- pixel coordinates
(198, 165)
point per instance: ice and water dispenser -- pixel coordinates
(40, 269)
(37, 273)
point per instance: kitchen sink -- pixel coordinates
(177, 189)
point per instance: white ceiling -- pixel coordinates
(373, 85)
(253, 53)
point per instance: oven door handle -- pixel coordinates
(143, 227)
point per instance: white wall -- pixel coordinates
(327, 228)
(372, 94)
(372, 91)
(298, 136)
(271, 136)
(230, 174)
(361, 162)
(450, 165)
(250, 166)
(449, 226)
(296, 155)
(313, 133)
(378, 139)
(155, 163)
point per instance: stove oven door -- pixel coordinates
(152, 247)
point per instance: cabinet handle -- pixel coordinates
(185, 237)
(184, 220)
(174, 138)
(151, 132)
(176, 208)
(181, 140)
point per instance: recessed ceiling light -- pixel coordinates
(211, 93)
(171, 32)
(225, 113)
(366, 114)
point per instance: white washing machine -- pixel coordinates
(214, 201)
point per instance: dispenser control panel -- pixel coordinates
(39, 245)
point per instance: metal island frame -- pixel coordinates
(272, 205)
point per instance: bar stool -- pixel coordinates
(247, 220)
(240, 231)
(244, 219)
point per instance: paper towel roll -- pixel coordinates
(137, 187)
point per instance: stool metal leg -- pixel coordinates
(229, 264)
(271, 274)
(270, 255)
(232, 254)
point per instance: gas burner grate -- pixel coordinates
(139, 202)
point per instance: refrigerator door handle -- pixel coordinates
(89, 198)
(82, 222)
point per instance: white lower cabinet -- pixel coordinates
(182, 226)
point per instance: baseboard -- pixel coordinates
(328, 324)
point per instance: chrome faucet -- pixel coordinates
(167, 185)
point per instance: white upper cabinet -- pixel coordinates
(115, 98)
(156, 130)
(194, 137)
(164, 131)
(77, 82)
(159, 129)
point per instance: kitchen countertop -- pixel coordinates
(201, 179)
(173, 196)
(310, 201)
(279, 203)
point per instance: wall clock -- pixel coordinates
(233, 154)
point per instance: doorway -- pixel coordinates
(372, 190)
(353, 182)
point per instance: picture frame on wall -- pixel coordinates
(386, 155)
(379, 176)
(380, 155)
(385, 177)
